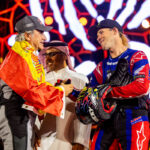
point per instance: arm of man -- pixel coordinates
(19, 77)
(140, 86)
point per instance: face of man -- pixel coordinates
(55, 59)
(105, 37)
(36, 39)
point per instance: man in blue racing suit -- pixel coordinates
(129, 122)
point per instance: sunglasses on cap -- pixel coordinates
(51, 54)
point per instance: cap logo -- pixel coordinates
(29, 25)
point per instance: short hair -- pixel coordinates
(20, 37)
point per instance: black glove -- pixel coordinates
(121, 75)
(92, 105)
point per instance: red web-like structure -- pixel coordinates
(13, 10)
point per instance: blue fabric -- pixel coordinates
(98, 141)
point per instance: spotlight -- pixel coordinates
(145, 24)
(83, 21)
(49, 20)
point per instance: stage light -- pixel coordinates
(49, 20)
(83, 21)
(11, 40)
(100, 18)
(145, 24)
(82, 68)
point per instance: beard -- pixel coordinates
(107, 45)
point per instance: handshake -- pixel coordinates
(66, 84)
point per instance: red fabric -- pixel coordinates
(15, 72)
(98, 72)
(137, 57)
(94, 140)
(133, 89)
(140, 132)
(138, 87)
(114, 146)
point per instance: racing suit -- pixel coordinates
(129, 124)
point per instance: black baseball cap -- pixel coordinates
(30, 23)
(107, 23)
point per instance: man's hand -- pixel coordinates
(68, 88)
(77, 146)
